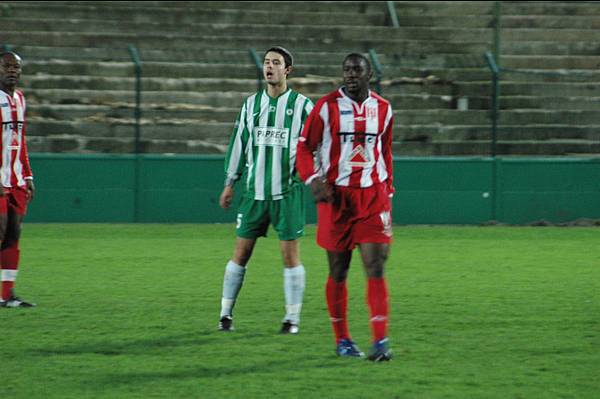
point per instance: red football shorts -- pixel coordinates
(14, 200)
(357, 215)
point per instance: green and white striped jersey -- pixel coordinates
(264, 142)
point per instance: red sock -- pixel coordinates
(7, 287)
(10, 262)
(337, 303)
(377, 299)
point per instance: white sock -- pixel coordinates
(293, 287)
(232, 283)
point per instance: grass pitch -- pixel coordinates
(130, 311)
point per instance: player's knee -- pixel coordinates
(290, 258)
(241, 258)
(375, 271)
(338, 272)
(375, 265)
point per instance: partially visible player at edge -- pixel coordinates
(349, 135)
(15, 176)
(263, 145)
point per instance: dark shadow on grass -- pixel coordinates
(145, 346)
(126, 347)
(267, 367)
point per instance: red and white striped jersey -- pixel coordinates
(351, 142)
(14, 167)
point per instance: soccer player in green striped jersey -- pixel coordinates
(263, 149)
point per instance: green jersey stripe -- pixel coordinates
(264, 141)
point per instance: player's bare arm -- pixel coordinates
(30, 189)
(321, 190)
(226, 197)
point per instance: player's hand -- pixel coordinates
(321, 190)
(30, 190)
(226, 197)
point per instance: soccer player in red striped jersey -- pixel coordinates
(345, 155)
(16, 179)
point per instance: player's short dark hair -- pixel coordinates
(5, 53)
(360, 57)
(288, 59)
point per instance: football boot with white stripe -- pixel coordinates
(15, 302)
(380, 351)
(289, 328)
(226, 323)
(347, 348)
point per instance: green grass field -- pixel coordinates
(130, 311)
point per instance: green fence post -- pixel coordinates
(392, 13)
(378, 70)
(258, 64)
(495, 98)
(494, 116)
(135, 57)
(497, 23)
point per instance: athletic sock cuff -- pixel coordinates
(234, 268)
(294, 271)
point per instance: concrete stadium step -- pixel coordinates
(40, 81)
(482, 8)
(37, 70)
(320, 85)
(220, 99)
(390, 62)
(552, 148)
(478, 98)
(216, 132)
(557, 8)
(233, 99)
(277, 30)
(543, 35)
(549, 103)
(477, 45)
(73, 112)
(505, 132)
(402, 117)
(69, 143)
(552, 48)
(54, 69)
(550, 62)
(234, 55)
(172, 13)
(443, 8)
(78, 144)
(544, 89)
(220, 132)
(550, 21)
(507, 117)
(241, 56)
(287, 6)
(507, 21)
